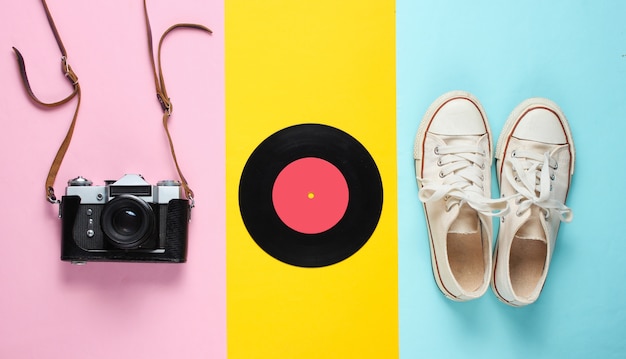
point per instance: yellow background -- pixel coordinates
(330, 62)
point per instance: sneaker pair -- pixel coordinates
(534, 165)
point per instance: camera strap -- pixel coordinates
(161, 93)
(73, 79)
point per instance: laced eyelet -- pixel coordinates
(439, 163)
(552, 177)
(516, 179)
(518, 213)
(514, 153)
(556, 166)
(518, 201)
(436, 150)
(546, 215)
(441, 175)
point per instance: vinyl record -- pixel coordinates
(310, 195)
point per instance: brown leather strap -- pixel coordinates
(161, 92)
(162, 97)
(73, 79)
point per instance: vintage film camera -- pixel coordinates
(126, 220)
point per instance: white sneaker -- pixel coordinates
(534, 165)
(453, 168)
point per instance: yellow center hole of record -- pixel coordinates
(310, 195)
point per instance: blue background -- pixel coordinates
(573, 52)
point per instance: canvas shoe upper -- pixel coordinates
(534, 165)
(453, 169)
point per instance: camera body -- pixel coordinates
(127, 220)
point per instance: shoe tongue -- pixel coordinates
(466, 221)
(532, 228)
(461, 140)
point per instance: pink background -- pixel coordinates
(50, 308)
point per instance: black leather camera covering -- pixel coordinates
(172, 224)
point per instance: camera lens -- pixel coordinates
(127, 221)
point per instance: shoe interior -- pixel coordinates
(466, 252)
(527, 260)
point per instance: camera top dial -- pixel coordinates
(168, 183)
(79, 181)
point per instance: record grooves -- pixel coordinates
(356, 220)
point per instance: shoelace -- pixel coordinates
(461, 167)
(531, 175)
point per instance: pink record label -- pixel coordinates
(310, 195)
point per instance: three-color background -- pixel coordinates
(368, 68)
